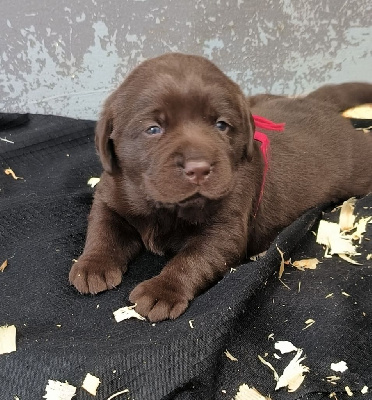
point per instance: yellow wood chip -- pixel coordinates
(247, 393)
(285, 347)
(339, 367)
(308, 323)
(363, 111)
(3, 266)
(59, 391)
(326, 231)
(258, 256)
(281, 268)
(91, 384)
(126, 313)
(293, 374)
(329, 235)
(348, 259)
(93, 182)
(9, 171)
(348, 391)
(276, 376)
(8, 339)
(118, 394)
(309, 263)
(361, 227)
(347, 217)
(230, 356)
(364, 390)
(332, 379)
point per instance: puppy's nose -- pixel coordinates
(197, 171)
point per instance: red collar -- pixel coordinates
(264, 123)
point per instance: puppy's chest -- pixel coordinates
(161, 236)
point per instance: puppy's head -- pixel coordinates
(177, 129)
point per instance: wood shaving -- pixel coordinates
(258, 256)
(364, 390)
(329, 295)
(6, 140)
(309, 263)
(349, 260)
(276, 376)
(369, 257)
(363, 111)
(347, 217)
(3, 266)
(91, 384)
(118, 394)
(285, 347)
(338, 237)
(8, 339)
(339, 367)
(329, 235)
(93, 182)
(293, 374)
(360, 226)
(59, 391)
(345, 294)
(126, 313)
(308, 323)
(191, 323)
(281, 268)
(271, 336)
(284, 284)
(247, 393)
(230, 356)
(9, 171)
(333, 379)
(348, 391)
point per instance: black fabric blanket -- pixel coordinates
(62, 335)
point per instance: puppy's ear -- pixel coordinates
(103, 141)
(248, 127)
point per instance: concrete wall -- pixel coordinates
(63, 57)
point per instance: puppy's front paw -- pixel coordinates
(94, 276)
(158, 299)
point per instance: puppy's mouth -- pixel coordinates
(194, 209)
(195, 200)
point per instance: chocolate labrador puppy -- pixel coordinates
(185, 173)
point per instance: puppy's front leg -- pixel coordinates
(203, 261)
(110, 244)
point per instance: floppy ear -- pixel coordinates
(248, 126)
(104, 143)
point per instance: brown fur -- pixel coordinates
(147, 196)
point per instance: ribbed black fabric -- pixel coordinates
(43, 220)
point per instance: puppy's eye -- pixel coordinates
(222, 126)
(154, 130)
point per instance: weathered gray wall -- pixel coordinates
(63, 57)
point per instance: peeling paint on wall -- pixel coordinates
(63, 57)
